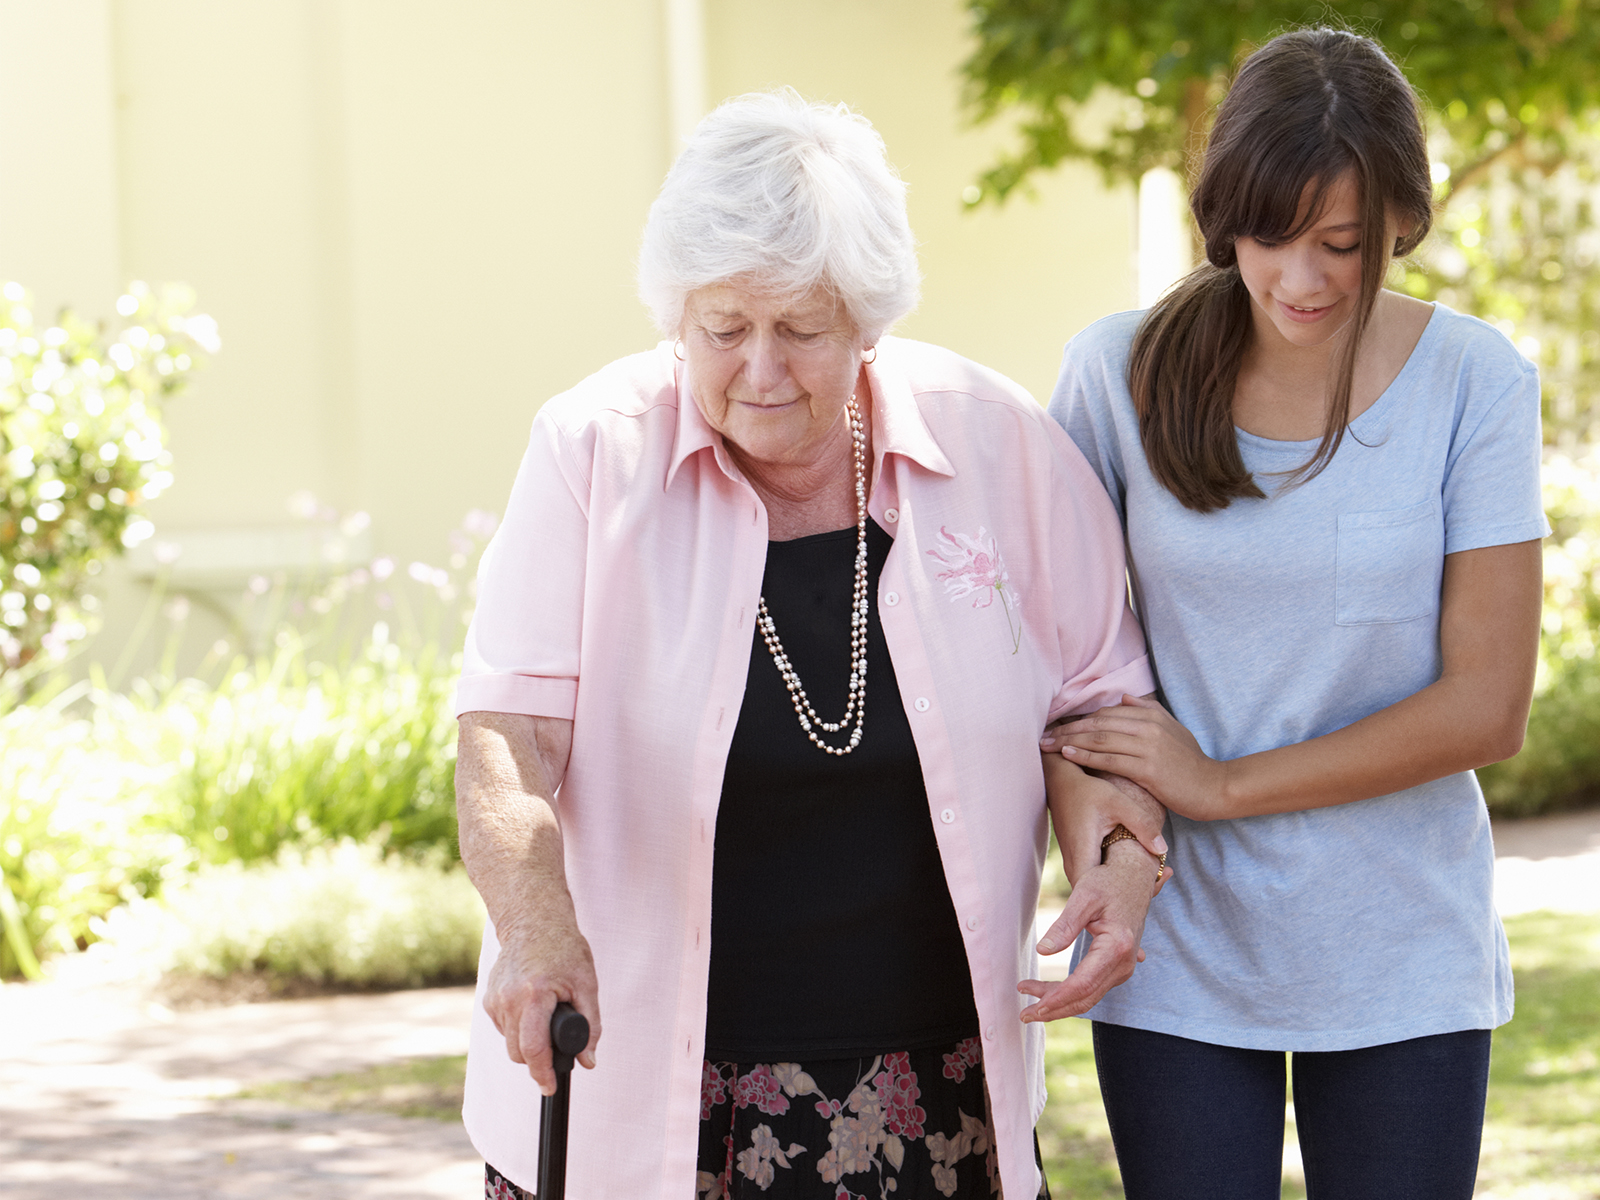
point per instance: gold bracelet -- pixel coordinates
(1121, 833)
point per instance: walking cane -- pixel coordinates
(569, 1033)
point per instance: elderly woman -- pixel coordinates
(779, 609)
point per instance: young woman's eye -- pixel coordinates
(1342, 250)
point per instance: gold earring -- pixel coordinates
(677, 350)
(869, 361)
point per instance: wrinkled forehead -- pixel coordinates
(747, 297)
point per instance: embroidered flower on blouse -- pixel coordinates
(973, 567)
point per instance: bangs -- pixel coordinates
(1266, 203)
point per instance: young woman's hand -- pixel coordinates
(1139, 739)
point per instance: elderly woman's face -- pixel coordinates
(771, 375)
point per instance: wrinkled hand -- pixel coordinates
(1110, 901)
(1098, 804)
(532, 975)
(1142, 741)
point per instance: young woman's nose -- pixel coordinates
(1303, 275)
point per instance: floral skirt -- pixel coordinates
(911, 1126)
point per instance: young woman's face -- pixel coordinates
(1306, 290)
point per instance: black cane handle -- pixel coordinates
(569, 1034)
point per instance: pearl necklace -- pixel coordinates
(857, 705)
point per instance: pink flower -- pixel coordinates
(897, 1093)
(713, 1090)
(973, 567)
(966, 1056)
(760, 1088)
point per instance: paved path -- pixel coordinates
(103, 1093)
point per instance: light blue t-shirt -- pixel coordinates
(1274, 621)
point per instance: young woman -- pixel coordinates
(1331, 499)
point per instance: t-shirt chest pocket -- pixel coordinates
(1389, 565)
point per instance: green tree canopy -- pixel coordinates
(1129, 84)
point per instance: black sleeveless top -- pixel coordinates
(832, 929)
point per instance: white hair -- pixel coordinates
(786, 196)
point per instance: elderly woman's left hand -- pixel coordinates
(1110, 901)
(1141, 740)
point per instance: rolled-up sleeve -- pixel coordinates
(523, 646)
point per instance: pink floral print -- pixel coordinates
(760, 1088)
(713, 1089)
(868, 1128)
(968, 1053)
(973, 567)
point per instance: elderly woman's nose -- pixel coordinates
(767, 367)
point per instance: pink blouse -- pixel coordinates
(620, 593)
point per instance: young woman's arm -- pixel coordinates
(1475, 714)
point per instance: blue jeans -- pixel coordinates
(1194, 1121)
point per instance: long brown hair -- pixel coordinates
(1304, 110)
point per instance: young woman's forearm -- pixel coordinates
(1474, 714)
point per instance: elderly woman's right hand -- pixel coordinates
(1110, 901)
(534, 972)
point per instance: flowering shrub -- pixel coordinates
(338, 913)
(81, 447)
(338, 727)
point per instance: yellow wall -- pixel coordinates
(416, 221)
(1006, 287)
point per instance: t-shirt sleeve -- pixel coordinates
(1081, 405)
(522, 647)
(1102, 646)
(1491, 484)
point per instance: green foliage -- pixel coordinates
(1515, 243)
(323, 734)
(338, 913)
(80, 450)
(287, 748)
(1127, 84)
(1559, 765)
(79, 831)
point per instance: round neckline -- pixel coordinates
(1383, 400)
(825, 535)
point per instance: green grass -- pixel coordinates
(420, 1087)
(1541, 1140)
